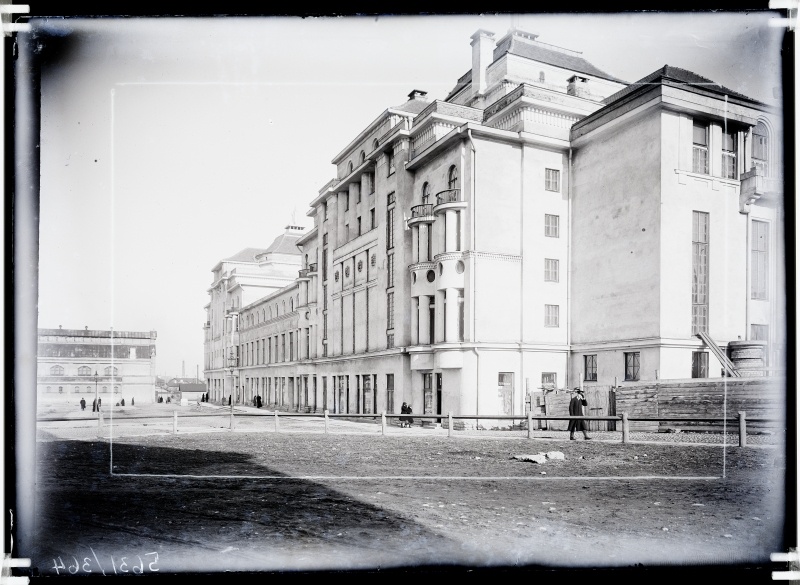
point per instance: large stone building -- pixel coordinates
(544, 225)
(81, 363)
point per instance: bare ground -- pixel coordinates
(247, 501)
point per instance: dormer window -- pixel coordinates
(700, 148)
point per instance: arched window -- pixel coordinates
(306, 264)
(57, 371)
(270, 312)
(363, 156)
(426, 192)
(84, 371)
(77, 389)
(110, 371)
(452, 178)
(284, 307)
(105, 389)
(375, 144)
(291, 305)
(350, 167)
(761, 148)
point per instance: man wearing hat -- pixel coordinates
(576, 409)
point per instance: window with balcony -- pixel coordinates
(729, 167)
(57, 371)
(590, 368)
(550, 270)
(551, 315)
(632, 366)
(761, 148)
(700, 148)
(551, 227)
(552, 180)
(452, 178)
(426, 193)
(759, 255)
(699, 364)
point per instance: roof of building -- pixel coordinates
(286, 243)
(246, 255)
(413, 106)
(565, 60)
(183, 381)
(192, 387)
(682, 76)
(98, 333)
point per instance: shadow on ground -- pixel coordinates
(211, 523)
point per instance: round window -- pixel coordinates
(460, 267)
(360, 265)
(431, 276)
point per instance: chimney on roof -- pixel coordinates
(418, 94)
(578, 86)
(482, 55)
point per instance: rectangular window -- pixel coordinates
(390, 310)
(390, 198)
(359, 226)
(283, 346)
(324, 296)
(759, 332)
(390, 162)
(551, 179)
(390, 228)
(551, 225)
(700, 148)
(390, 393)
(759, 255)
(389, 340)
(548, 381)
(325, 263)
(551, 315)
(347, 202)
(729, 155)
(461, 314)
(699, 272)
(550, 270)
(699, 364)
(590, 368)
(325, 239)
(390, 271)
(291, 347)
(632, 365)
(324, 212)
(325, 326)
(358, 199)
(372, 224)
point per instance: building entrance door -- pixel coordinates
(505, 386)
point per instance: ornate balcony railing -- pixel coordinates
(448, 196)
(424, 210)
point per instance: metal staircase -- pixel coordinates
(727, 364)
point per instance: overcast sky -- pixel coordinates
(169, 144)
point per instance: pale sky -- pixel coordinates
(220, 129)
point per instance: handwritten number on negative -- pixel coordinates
(56, 566)
(141, 566)
(77, 566)
(123, 564)
(150, 566)
(86, 565)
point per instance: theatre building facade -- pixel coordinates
(545, 225)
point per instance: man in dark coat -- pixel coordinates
(83, 404)
(576, 409)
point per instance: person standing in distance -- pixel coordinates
(576, 409)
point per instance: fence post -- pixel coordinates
(383, 422)
(742, 428)
(174, 422)
(625, 428)
(326, 421)
(276, 420)
(530, 423)
(449, 424)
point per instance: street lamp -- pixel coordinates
(231, 366)
(95, 391)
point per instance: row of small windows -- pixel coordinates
(82, 371)
(77, 389)
(632, 362)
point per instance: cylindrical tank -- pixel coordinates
(749, 357)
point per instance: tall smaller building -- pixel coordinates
(81, 363)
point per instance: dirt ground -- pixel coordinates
(264, 501)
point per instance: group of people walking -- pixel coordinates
(95, 404)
